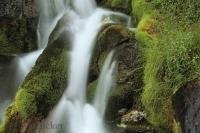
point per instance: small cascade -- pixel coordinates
(82, 19)
(50, 13)
(105, 83)
(73, 113)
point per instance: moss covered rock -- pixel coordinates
(127, 91)
(40, 90)
(171, 52)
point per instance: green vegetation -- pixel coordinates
(171, 50)
(168, 33)
(41, 89)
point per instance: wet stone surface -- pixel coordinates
(187, 106)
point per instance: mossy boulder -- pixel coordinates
(171, 54)
(127, 91)
(40, 91)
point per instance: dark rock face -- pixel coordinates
(7, 80)
(15, 8)
(116, 5)
(18, 25)
(6, 76)
(17, 36)
(187, 106)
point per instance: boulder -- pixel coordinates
(186, 103)
(125, 95)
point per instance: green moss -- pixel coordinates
(3, 37)
(91, 91)
(183, 11)
(42, 87)
(140, 8)
(171, 50)
(117, 2)
(25, 103)
(171, 60)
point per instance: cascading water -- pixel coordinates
(73, 112)
(50, 14)
(83, 23)
(104, 84)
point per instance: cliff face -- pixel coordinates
(18, 24)
(16, 8)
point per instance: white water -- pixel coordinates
(3, 105)
(85, 20)
(72, 112)
(104, 84)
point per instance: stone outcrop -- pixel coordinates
(125, 95)
(16, 8)
(186, 103)
(18, 25)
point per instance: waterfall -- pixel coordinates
(104, 84)
(82, 20)
(73, 114)
(50, 13)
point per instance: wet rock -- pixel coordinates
(134, 122)
(126, 92)
(134, 116)
(143, 128)
(186, 103)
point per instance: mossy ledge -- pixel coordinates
(171, 48)
(40, 91)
